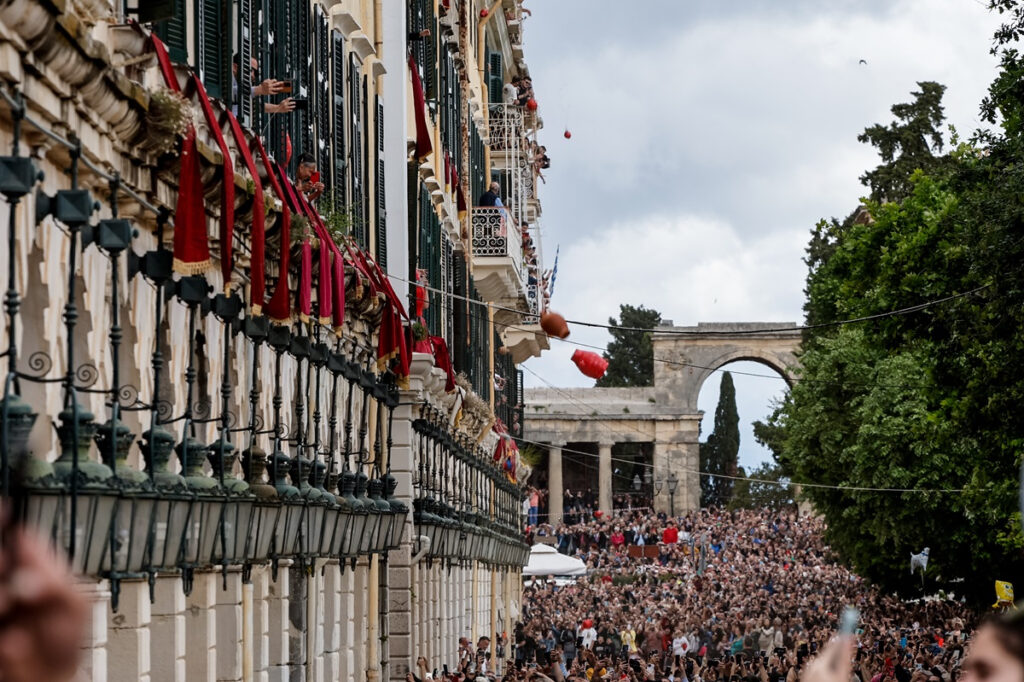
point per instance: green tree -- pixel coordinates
(630, 354)
(909, 143)
(923, 401)
(719, 455)
(765, 487)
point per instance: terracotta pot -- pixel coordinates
(590, 363)
(554, 324)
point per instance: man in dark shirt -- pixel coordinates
(490, 197)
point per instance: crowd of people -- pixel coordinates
(727, 596)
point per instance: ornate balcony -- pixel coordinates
(498, 257)
(527, 339)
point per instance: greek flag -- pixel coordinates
(554, 273)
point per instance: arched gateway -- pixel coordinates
(664, 414)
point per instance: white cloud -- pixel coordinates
(708, 138)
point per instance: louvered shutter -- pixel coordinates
(340, 122)
(282, 36)
(495, 78)
(302, 58)
(321, 81)
(174, 33)
(242, 100)
(430, 58)
(212, 51)
(356, 150)
(382, 222)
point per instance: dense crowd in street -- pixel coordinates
(717, 596)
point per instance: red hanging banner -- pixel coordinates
(423, 143)
(227, 187)
(191, 244)
(279, 306)
(257, 257)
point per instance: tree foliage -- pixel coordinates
(719, 455)
(929, 400)
(909, 143)
(630, 354)
(767, 489)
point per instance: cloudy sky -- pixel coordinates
(708, 137)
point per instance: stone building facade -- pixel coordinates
(272, 433)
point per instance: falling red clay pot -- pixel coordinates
(590, 363)
(568, 135)
(531, 104)
(554, 324)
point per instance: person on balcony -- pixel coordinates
(308, 178)
(510, 93)
(269, 86)
(491, 197)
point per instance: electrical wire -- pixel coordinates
(709, 332)
(698, 472)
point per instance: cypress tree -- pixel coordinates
(719, 455)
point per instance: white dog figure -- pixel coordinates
(919, 560)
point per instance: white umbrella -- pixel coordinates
(546, 560)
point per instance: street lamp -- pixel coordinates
(673, 482)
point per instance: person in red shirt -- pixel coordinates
(670, 535)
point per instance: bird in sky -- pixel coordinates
(864, 62)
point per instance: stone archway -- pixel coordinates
(684, 359)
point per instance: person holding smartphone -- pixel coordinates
(308, 182)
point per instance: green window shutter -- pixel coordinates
(495, 78)
(321, 94)
(213, 56)
(340, 121)
(356, 150)
(174, 33)
(382, 222)
(430, 58)
(246, 50)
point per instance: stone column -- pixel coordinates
(128, 643)
(229, 627)
(677, 450)
(94, 654)
(201, 629)
(401, 643)
(167, 631)
(332, 622)
(604, 477)
(556, 490)
(279, 624)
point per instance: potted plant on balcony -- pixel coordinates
(167, 120)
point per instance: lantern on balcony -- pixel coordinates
(85, 519)
(358, 519)
(399, 512)
(173, 505)
(239, 509)
(316, 507)
(204, 526)
(342, 521)
(590, 363)
(286, 534)
(267, 506)
(133, 521)
(373, 519)
(382, 539)
(554, 324)
(324, 484)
